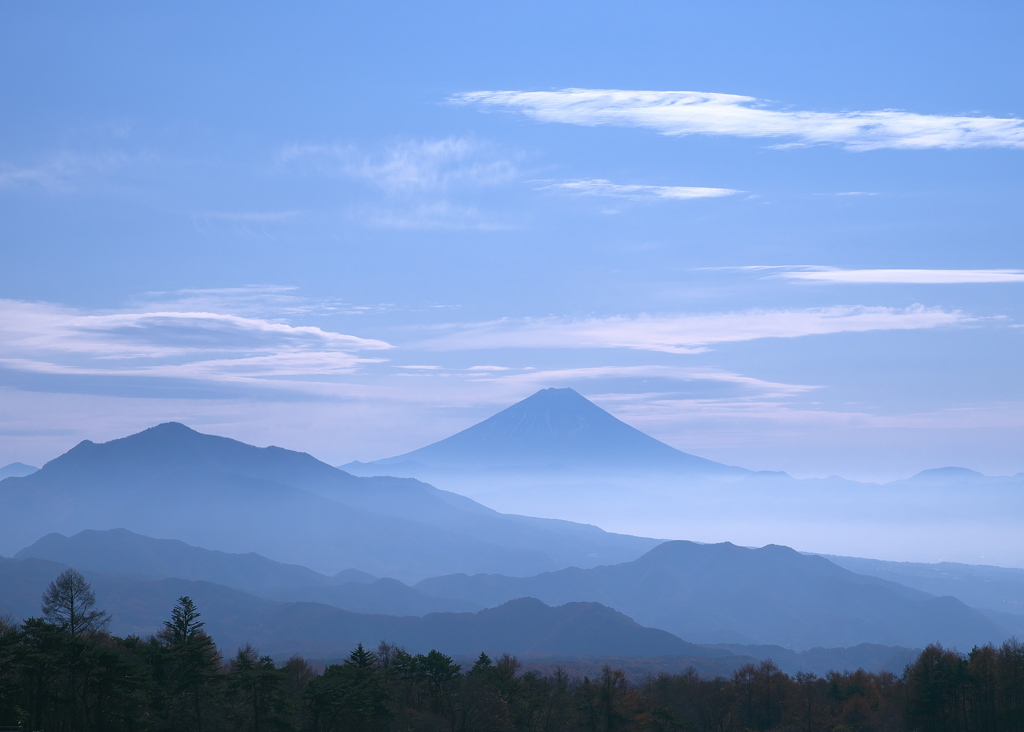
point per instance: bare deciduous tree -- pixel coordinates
(69, 602)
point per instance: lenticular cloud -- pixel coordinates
(704, 113)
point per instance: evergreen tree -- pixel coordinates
(194, 663)
(260, 692)
(350, 695)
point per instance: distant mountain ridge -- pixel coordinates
(121, 554)
(953, 476)
(575, 634)
(721, 593)
(170, 481)
(552, 430)
(234, 618)
(17, 470)
(981, 586)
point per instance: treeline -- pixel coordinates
(63, 672)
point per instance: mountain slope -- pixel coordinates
(120, 553)
(16, 470)
(555, 429)
(170, 481)
(234, 618)
(952, 476)
(725, 593)
(580, 637)
(980, 586)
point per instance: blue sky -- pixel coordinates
(785, 236)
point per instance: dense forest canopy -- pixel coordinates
(59, 675)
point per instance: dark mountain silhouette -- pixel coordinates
(555, 429)
(521, 626)
(234, 618)
(384, 596)
(172, 482)
(354, 575)
(121, 553)
(725, 593)
(16, 470)
(578, 636)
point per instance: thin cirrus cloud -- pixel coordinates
(421, 183)
(65, 171)
(253, 370)
(905, 276)
(439, 215)
(269, 301)
(635, 192)
(680, 113)
(759, 387)
(50, 339)
(686, 333)
(410, 166)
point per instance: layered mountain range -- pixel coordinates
(139, 596)
(287, 552)
(173, 482)
(708, 594)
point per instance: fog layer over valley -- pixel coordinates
(172, 482)
(557, 454)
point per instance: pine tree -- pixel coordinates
(194, 660)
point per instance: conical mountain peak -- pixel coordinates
(554, 429)
(552, 412)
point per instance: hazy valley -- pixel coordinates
(297, 556)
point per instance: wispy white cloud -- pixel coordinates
(64, 171)
(636, 192)
(50, 339)
(542, 378)
(260, 301)
(439, 215)
(412, 166)
(421, 184)
(905, 276)
(267, 370)
(691, 113)
(838, 275)
(689, 333)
